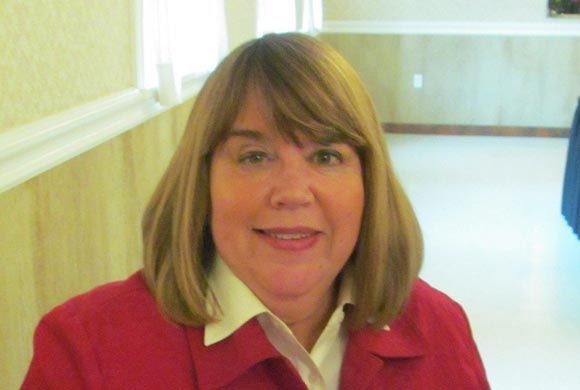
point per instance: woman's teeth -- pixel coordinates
(293, 236)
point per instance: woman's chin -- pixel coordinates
(292, 286)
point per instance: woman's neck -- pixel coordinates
(306, 317)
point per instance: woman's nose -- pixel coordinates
(292, 186)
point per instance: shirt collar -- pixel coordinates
(238, 304)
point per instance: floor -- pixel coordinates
(495, 241)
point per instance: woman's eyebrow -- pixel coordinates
(255, 135)
(246, 133)
(331, 139)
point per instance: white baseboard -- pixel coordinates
(555, 27)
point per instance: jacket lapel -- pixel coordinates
(220, 364)
(369, 350)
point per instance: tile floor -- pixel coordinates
(496, 242)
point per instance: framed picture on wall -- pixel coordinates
(563, 8)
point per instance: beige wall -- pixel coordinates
(74, 227)
(519, 11)
(56, 55)
(77, 225)
(241, 20)
(58, 230)
(468, 80)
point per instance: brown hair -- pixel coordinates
(309, 87)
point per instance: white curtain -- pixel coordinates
(289, 15)
(181, 38)
(310, 16)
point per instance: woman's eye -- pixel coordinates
(327, 157)
(253, 158)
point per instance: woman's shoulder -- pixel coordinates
(435, 313)
(113, 336)
(423, 294)
(111, 315)
(116, 312)
(129, 297)
(430, 341)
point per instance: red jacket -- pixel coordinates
(114, 337)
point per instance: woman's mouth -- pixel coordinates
(292, 239)
(288, 236)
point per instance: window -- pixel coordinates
(310, 12)
(182, 39)
(275, 16)
(289, 15)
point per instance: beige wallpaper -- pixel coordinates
(56, 54)
(67, 231)
(241, 20)
(468, 80)
(519, 11)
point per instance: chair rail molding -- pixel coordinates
(34, 148)
(562, 27)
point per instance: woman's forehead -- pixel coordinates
(255, 121)
(259, 116)
(253, 112)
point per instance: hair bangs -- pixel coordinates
(301, 102)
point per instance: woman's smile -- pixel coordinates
(290, 238)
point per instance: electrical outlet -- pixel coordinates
(418, 80)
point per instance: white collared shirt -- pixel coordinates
(319, 369)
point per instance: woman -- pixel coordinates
(280, 252)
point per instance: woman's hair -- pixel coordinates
(311, 90)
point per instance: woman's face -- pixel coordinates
(285, 218)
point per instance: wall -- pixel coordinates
(514, 67)
(441, 10)
(241, 20)
(57, 54)
(77, 225)
(468, 80)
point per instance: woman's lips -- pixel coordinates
(290, 239)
